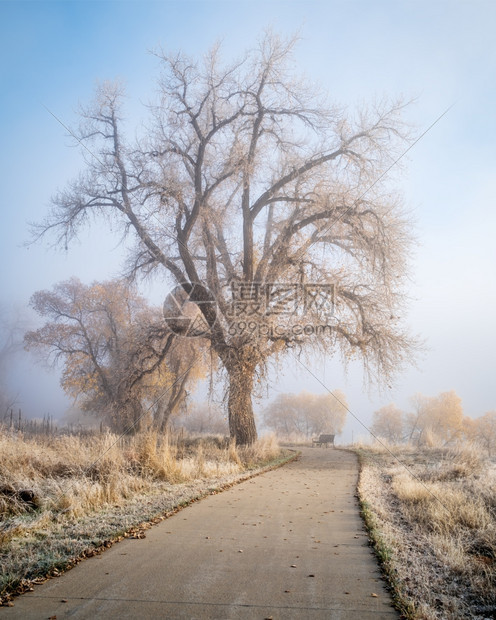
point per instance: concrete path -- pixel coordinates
(286, 544)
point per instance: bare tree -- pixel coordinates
(248, 182)
(118, 360)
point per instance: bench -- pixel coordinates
(324, 440)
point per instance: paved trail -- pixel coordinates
(286, 544)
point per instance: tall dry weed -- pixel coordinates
(72, 474)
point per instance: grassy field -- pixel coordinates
(63, 498)
(433, 523)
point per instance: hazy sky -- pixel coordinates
(441, 53)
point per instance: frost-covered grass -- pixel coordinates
(66, 497)
(434, 527)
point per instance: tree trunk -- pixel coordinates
(241, 418)
(127, 416)
(177, 396)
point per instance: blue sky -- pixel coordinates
(52, 54)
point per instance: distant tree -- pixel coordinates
(306, 414)
(448, 416)
(436, 419)
(484, 431)
(285, 415)
(388, 423)
(415, 420)
(468, 428)
(247, 178)
(12, 327)
(327, 412)
(118, 358)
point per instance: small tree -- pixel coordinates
(388, 423)
(118, 359)
(249, 184)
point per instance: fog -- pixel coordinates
(438, 53)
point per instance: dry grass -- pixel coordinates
(63, 497)
(435, 528)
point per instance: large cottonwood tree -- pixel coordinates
(247, 184)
